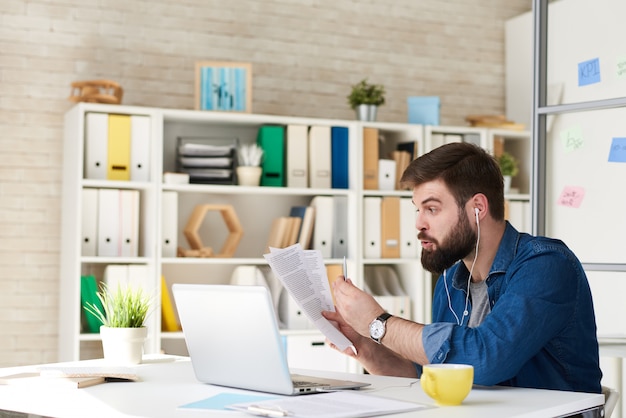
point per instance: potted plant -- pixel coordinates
(123, 312)
(249, 157)
(365, 99)
(509, 168)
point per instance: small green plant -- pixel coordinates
(126, 307)
(508, 164)
(365, 93)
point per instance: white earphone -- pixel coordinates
(465, 311)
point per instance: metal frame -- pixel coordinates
(540, 111)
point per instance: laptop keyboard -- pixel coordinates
(306, 383)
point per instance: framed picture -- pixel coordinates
(224, 86)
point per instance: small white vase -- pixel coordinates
(123, 346)
(248, 175)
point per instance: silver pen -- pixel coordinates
(345, 268)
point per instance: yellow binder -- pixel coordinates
(168, 316)
(118, 166)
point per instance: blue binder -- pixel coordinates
(339, 157)
(271, 138)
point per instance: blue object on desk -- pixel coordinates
(220, 401)
(424, 110)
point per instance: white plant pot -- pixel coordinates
(248, 175)
(123, 346)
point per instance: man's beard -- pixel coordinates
(457, 245)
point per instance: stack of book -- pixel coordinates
(292, 229)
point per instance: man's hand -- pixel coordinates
(356, 339)
(356, 307)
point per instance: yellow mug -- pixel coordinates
(447, 384)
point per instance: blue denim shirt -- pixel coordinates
(541, 332)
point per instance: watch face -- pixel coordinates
(377, 329)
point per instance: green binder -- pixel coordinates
(271, 138)
(88, 294)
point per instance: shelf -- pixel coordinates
(248, 190)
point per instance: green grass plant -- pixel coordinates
(124, 307)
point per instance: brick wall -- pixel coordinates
(305, 56)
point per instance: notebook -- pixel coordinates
(233, 340)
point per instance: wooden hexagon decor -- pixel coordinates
(195, 242)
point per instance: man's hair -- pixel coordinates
(466, 169)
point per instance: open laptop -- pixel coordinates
(233, 340)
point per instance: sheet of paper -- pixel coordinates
(329, 405)
(303, 274)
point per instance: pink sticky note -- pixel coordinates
(571, 196)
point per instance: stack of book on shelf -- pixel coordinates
(305, 156)
(321, 225)
(207, 160)
(292, 229)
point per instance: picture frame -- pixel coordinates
(223, 86)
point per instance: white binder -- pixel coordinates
(139, 277)
(401, 301)
(452, 138)
(169, 224)
(340, 227)
(108, 222)
(129, 223)
(139, 148)
(319, 157)
(323, 226)
(372, 228)
(96, 145)
(297, 156)
(248, 276)
(377, 289)
(519, 215)
(290, 314)
(408, 232)
(89, 227)
(386, 174)
(116, 275)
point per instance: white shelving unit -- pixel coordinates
(256, 207)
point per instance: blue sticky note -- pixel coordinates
(617, 154)
(589, 72)
(222, 400)
(424, 110)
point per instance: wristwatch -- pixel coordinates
(378, 327)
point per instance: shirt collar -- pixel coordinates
(506, 252)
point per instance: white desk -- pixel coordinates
(167, 385)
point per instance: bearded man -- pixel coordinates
(516, 307)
